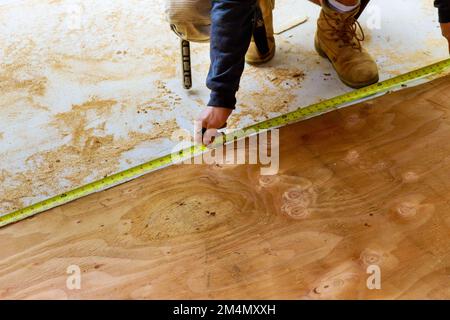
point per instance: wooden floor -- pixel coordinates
(373, 183)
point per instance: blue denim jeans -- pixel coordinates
(231, 32)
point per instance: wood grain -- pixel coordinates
(373, 182)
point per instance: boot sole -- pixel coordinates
(346, 82)
(261, 61)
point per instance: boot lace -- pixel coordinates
(347, 31)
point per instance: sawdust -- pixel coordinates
(278, 81)
(109, 47)
(16, 77)
(32, 86)
(164, 101)
(284, 76)
(393, 57)
(75, 121)
(167, 60)
(86, 158)
(90, 154)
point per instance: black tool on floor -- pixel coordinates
(186, 63)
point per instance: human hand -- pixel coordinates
(211, 119)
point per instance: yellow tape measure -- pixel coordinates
(291, 117)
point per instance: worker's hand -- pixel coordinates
(211, 119)
(446, 32)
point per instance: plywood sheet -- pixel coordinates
(375, 189)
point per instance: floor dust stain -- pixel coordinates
(278, 81)
(87, 157)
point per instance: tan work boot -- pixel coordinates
(339, 38)
(253, 55)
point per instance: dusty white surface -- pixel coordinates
(89, 88)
